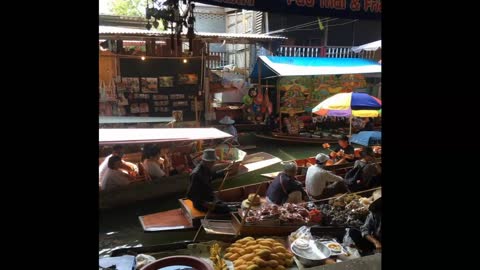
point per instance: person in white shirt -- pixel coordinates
(321, 183)
(153, 163)
(117, 151)
(114, 177)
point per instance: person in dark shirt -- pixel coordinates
(200, 190)
(369, 126)
(368, 238)
(284, 188)
(344, 152)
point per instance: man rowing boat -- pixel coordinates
(200, 190)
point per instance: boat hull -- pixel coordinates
(296, 139)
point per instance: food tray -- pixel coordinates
(334, 253)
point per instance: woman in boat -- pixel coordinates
(321, 183)
(285, 188)
(368, 238)
(114, 177)
(344, 152)
(117, 151)
(152, 162)
(200, 190)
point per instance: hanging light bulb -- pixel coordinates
(143, 58)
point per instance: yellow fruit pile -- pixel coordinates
(260, 254)
(218, 262)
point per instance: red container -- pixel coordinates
(193, 262)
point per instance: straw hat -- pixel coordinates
(209, 155)
(227, 120)
(256, 203)
(288, 165)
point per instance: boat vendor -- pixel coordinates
(152, 162)
(114, 177)
(368, 238)
(371, 170)
(344, 152)
(230, 129)
(285, 188)
(117, 151)
(321, 183)
(200, 189)
(368, 124)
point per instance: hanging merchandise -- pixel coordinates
(259, 98)
(102, 89)
(247, 100)
(256, 108)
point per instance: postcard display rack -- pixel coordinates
(158, 87)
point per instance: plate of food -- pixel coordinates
(302, 243)
(334, 247)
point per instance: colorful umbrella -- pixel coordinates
(349, 104)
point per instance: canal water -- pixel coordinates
(120, 227)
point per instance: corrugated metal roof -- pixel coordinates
(113, 30)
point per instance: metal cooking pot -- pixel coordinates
(316, 254)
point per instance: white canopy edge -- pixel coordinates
(108, 136)
(372, 46)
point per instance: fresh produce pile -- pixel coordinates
(287, 213)
(260, 254)
(349, 210)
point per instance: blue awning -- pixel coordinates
(367, 138)
(276, 66)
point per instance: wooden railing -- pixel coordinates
(301, 51)
(222, 60)
(323, 51)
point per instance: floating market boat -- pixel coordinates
(175, 184)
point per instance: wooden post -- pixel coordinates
(278, 108)
(351, 125)
(259, 82)
(196, 112)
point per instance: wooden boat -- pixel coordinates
(170, 185)
(296, 139)
(303, 164)
(200, 249)
(188, 218)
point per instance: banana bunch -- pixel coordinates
(218, 262)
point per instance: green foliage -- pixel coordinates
(134, 8)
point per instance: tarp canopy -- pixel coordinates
(352, 9)
(276, 66)
(367, 138)
(110, 136)
(372, 46)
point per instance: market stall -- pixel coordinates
(300, 83)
